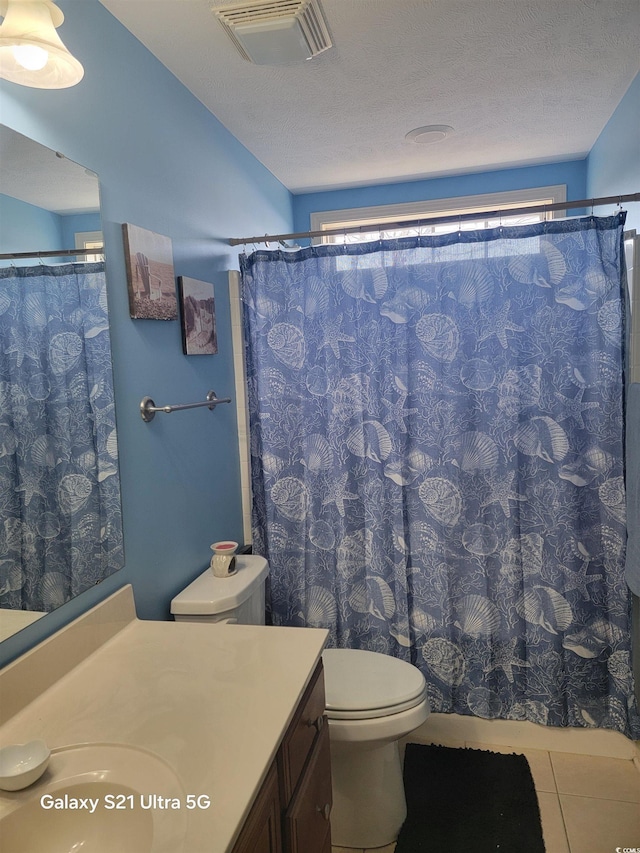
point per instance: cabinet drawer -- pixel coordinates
(306, 821)
(301, 736)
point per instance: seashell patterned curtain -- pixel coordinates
(60, 517)
(437, 442)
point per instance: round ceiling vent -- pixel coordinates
(430, 134)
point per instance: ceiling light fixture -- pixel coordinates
(429, 134)
(31, 52)
(274, 32)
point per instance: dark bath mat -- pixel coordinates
(468, 799)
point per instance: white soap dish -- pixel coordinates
(22, 764)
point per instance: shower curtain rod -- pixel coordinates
(461, 217)
(58, 253)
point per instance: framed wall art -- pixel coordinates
(150, 275)
(197, 309)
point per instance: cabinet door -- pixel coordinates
(301, 735)
(306, 821)
(261, 831)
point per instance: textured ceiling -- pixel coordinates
(521, 82)
(37, 175)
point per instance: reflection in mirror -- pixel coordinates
(45, 200)
(60, 517)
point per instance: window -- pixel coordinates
(90, 240)
(394, 213)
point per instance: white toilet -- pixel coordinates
(372, 701)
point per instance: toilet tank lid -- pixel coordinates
(208, 595)
(360, 680)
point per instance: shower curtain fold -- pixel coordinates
(632, 568)
(437, 442)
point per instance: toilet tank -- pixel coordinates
(238, 599)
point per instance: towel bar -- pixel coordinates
(148, 408)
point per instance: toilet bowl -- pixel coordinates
(372, 701)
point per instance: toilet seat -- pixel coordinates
(363, 685)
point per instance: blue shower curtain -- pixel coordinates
(60, 517)
(437, 446)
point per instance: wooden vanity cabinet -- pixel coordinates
(292, 810)
(306, 827)
(261, 832)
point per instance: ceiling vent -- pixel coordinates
(273, 32)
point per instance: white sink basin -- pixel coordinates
(97, 798)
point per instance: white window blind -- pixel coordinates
(395, 213)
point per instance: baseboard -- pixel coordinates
(457, 730)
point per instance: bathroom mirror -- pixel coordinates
(48, 202)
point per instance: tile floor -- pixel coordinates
(588, 804)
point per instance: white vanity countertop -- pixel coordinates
(15, 620)
(213, 701)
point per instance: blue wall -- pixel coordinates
(613, 165)
(74, 223)
(572, 173)
(27, 228)
(167, 165)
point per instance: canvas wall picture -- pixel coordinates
(150, 275)
(197, 307)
